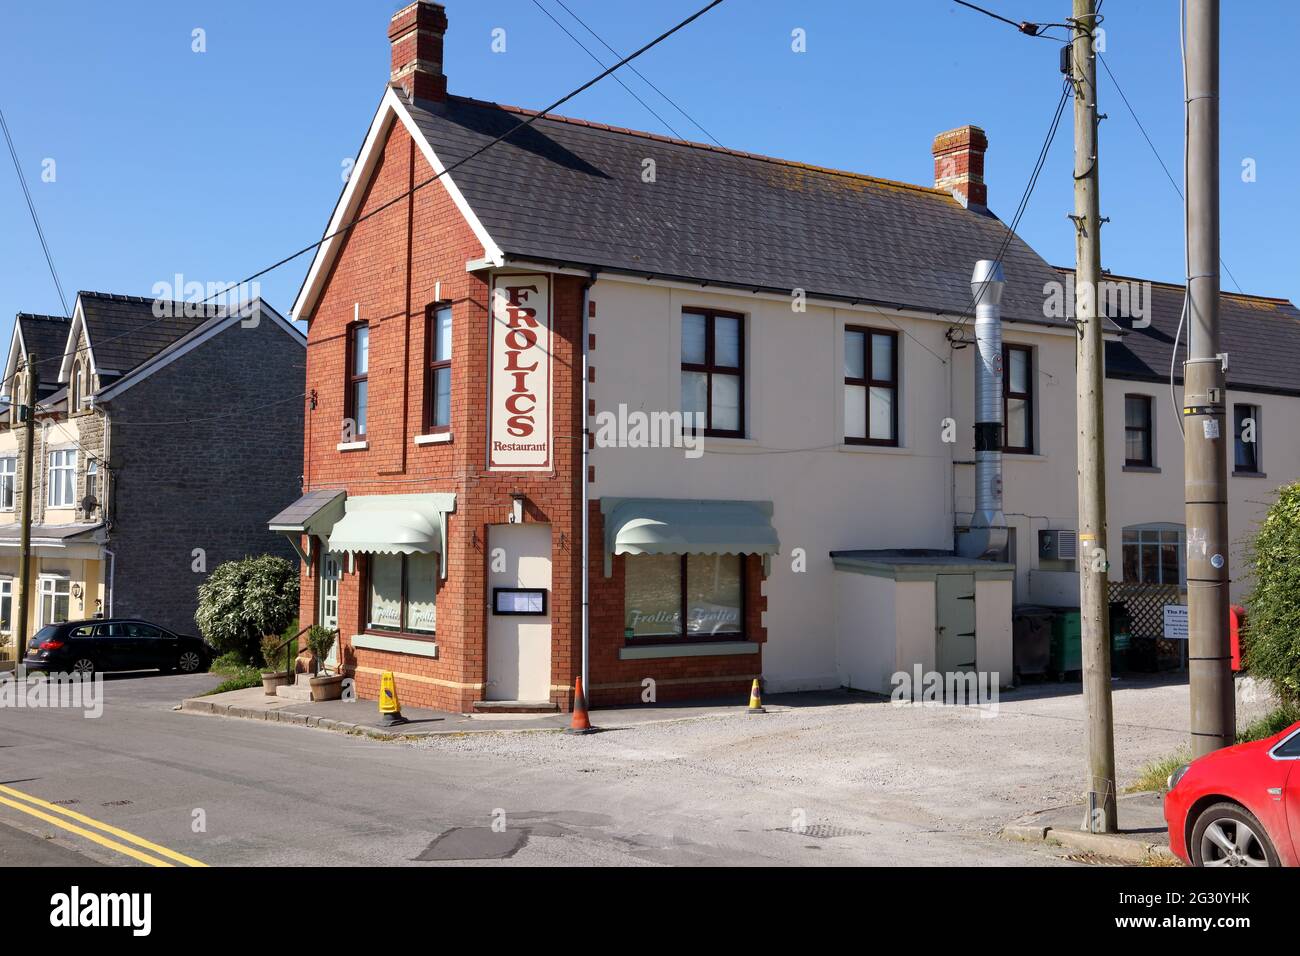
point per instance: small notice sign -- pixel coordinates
(1176, 622)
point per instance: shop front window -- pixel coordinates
(403, 591)
(683, 597)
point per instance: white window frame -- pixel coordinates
(57, 501)
(53, 592)
(9, 482)
(7, 594)
(1158, 526)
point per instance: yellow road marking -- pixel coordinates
(107, 828)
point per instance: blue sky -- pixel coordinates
(216, 164)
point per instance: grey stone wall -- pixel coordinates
(202, 454)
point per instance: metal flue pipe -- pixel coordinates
(987, 535)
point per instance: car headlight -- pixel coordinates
(1176, 776)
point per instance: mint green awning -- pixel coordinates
(687, 526)
(393, 524)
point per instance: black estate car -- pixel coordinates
(114, 645)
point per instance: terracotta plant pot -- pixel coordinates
(327, 688)
(273, 679)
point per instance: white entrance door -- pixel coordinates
(518, 644)
(329, 601)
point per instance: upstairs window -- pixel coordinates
(1245, 432)
(357, 401)
(1137, 432)
(870, 387)
(62, 478)
(713, 371)
(1018, 399)
(437, 390)
(74, 389)
(92, 482)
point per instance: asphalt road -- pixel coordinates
(163, 786)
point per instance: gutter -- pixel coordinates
(586, 488)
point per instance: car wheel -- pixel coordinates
(83, 666)
(1227, 834)
(191, 662)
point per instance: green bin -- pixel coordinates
(1121, 632)
(1067, 650)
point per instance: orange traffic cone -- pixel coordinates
(756, 699)
(581, 722)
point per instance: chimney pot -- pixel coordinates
(416, 33)
(959, 164)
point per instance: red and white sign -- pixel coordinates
(519, 402)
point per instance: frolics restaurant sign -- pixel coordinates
(520, 399)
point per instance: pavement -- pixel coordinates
(832, 779)
(362, 716)
(1142, 836)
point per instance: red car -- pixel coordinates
(1239, 806)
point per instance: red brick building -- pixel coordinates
(441, 527)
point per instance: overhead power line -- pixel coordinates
(675, 105)
(31, 208)
(631, 92)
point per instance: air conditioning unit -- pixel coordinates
(1058, 545)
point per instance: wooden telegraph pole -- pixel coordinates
(1089, 369)
(1204, 401)
(19, 626)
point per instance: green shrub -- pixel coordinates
(1268, 725)
(1271, 641)
(320, 640)
(243, 600)
(273, 655)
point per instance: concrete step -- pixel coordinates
(515, 707)
(300, 691)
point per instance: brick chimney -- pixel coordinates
(959, 164)
(416, 32)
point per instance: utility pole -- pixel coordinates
(1089, 411)
(19, 626)
(1204, 395)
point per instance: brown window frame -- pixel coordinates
(869, 383)
(432, 366)
(1148, 431)
(1026, 397)
(710, 368)
(402, 631)
(352, 379)
(652, 640)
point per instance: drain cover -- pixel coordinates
(475, 843)
(822, 831)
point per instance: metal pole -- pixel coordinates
(1204, 395)
(25, 546)
(1089, 368)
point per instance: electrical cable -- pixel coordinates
(31, 207)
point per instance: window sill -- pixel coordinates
(854, 447)
(1143, 469)
(710, 649)
(395, 645)
(434, 438)
(352, 446)
(722, 443)
(1249, 474)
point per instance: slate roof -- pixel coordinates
(1261, 336)
(124, 331)
(306, 507)
(571, 192)
(44, 334)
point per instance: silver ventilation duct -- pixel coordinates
(987, 535)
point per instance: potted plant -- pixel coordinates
(272, 654)
(324, 686)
